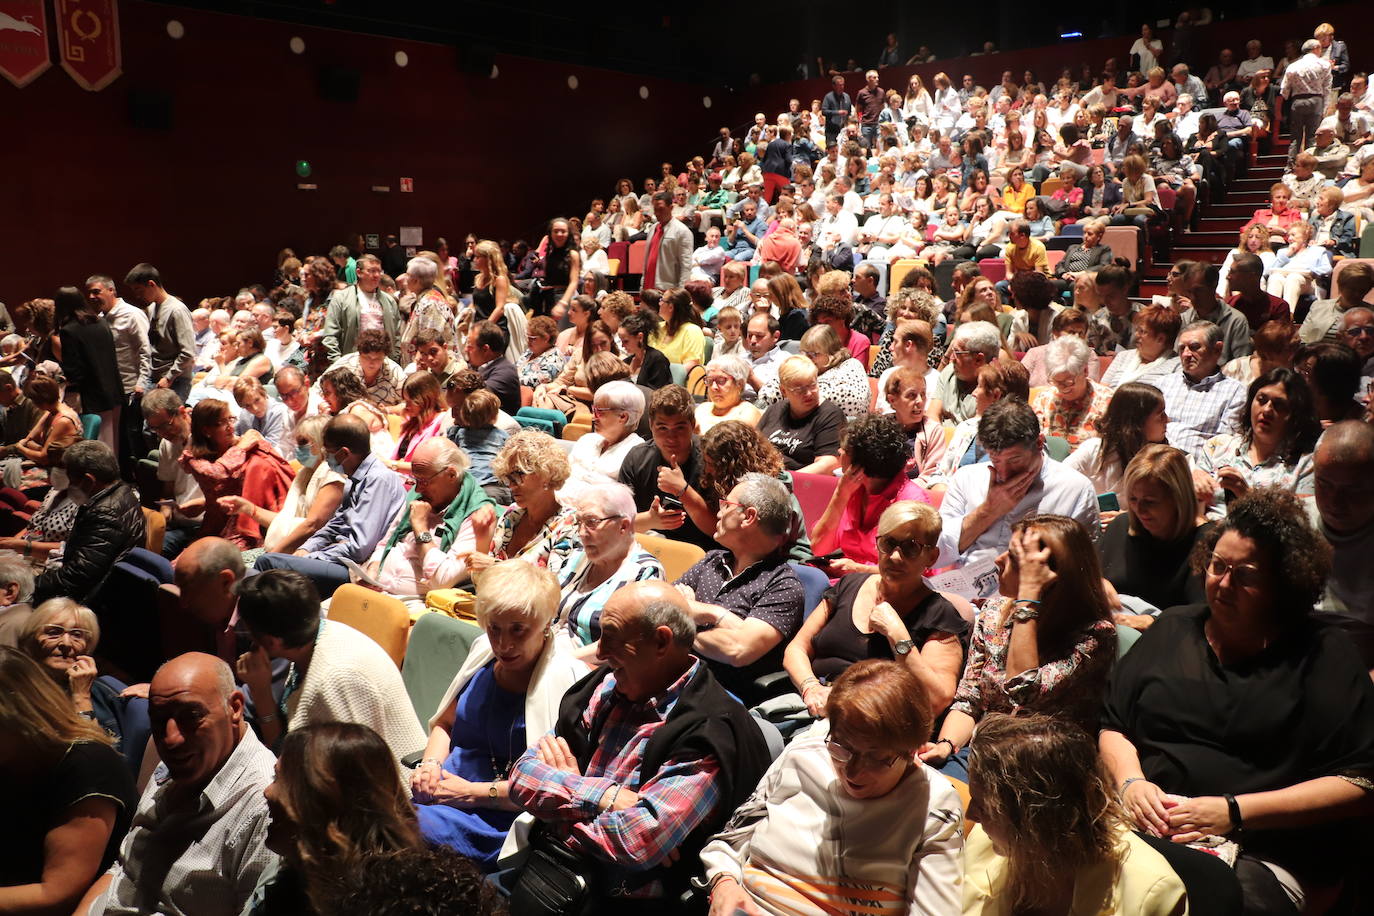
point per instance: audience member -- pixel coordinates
(802, 425)
(1191, 777)
(36, 456)
(209, 785)
(725, 379)
(270, 418)
(660, 778)
(170, 334)
(513, 678)
(1144, 549)
(984, 503)
(974, 345)
(674, 452)
(371, 497)
(1200, 401)
(855, 776)
(70, 798)
(1332, 372)
(925, 437)
(1071, 407)
(1134, 418)
(1047, 645)
(1274, 344)
(337, 673)
(1344, 477)
(1198, 284)
(224, 463)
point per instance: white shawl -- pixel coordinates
(556, 671)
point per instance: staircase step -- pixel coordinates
(1233, 210)
(1153, 288)
(1224, 237)
(1250, 184)
(1211, 223)
(1214, 253)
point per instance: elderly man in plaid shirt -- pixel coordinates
(1200, 401)
(650, 756)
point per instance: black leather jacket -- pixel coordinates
(105, 529)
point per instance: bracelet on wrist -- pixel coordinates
(810, 681)
(1127, 784)
(1233, 811)
(953, 749)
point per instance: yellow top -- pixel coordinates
(688, 343)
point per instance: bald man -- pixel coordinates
(1345, 502)
(692, 765)
(196, 845)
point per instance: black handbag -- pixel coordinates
(555, 880)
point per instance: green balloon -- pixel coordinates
(303, 168)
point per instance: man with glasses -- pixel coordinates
(745, 599)
(648, 758)
(295, 392)
(370, 502)
(1201, 402)
(360, 307)
(975, 344)
(181, 502)
(1357, 331)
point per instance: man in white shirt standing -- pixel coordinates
(133, 354)
(1306, 83)
(197, 844)
(985, 501)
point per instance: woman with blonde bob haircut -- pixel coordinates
(505, 696)
(1050, 835)
(534, 468)
(854, 777)
(1145, 550)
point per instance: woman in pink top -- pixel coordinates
(874, 455)
(424, 414)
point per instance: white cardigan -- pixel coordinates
(801, 846)
(556, 671)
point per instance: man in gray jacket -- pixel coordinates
(170, 332)
(362, 305)
(668, 260)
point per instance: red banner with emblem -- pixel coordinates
(23, 40)
(88, 39)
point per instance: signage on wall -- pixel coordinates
(23, 41)
(412, 235)
(407, 185)
(381, 188)
(373, 240)
(307, 187)
(88, 39)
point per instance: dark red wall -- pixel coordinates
(212, 200)
(1350, 21)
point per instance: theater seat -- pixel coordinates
(438, 648)
(676, 556)
(155, 526)
(381, 617)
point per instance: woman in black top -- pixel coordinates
(88, 356)
(1088, 255)
(491, 286)
(648, 366)
(892, 614)
(1245, 718)
(805, 429)
(64, 790)
(1145, 549)
(562, 262)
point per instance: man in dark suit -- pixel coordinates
(485, 350)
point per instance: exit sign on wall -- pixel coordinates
(407, 185)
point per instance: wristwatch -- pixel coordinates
(424, 537)
(1023, 613)
(903, 647)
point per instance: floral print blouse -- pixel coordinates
(1074, 422)
(1231, 450)
(1069, 687)
(550, 545)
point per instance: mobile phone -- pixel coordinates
(669, 504)
(823, 560)
(1107, 502)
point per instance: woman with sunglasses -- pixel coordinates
(846, 814)
(890, 614)
(1046, 646)
(1245, 719)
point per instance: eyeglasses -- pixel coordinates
(424, 480)
(587, 522)
(731, 504)
(1242, 575)
(513, 479)
(1360, 330)
(909, 549)
(54, 631)
(862, 760)
(602, 411)
(720, 381)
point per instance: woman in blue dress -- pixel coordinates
(503, 699)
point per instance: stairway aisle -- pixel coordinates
(1219, 222)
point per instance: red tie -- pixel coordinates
(651, 261)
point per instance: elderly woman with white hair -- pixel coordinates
(726, 377)
(1071, 406)
(597, 456)
(61, 636)
(431, 309)
(504, 697)
(16, 589)
(803, 426)
(607, 558)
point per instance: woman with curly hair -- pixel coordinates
(343, 392)
(1276, 748)
(909, 302)
(1273, 447)
(729, 451)
(874, 456)
(536, 528)
(336, 798)
(1050, 835)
